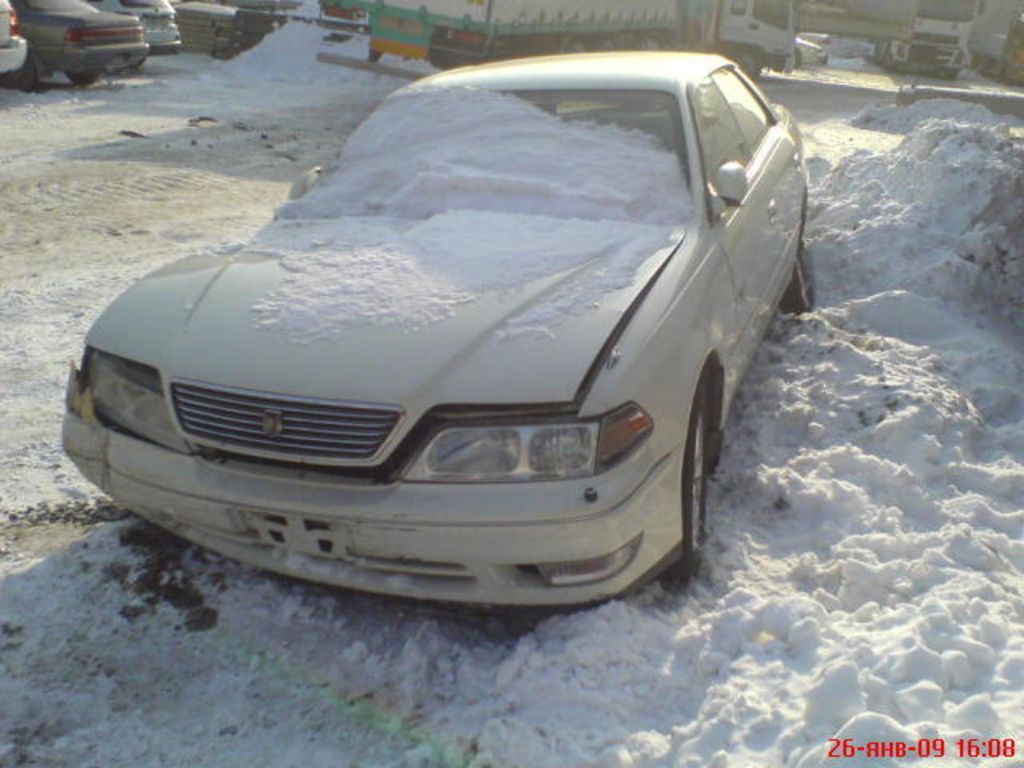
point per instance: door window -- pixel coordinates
(774, 13)
(738, 7)
(753, 120)
(721, 140)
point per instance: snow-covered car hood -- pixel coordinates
(365, 321)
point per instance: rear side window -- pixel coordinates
(751, 116)
(738, 7)
(774, 13)
(721, 140)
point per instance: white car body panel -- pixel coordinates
(13, 48)
(710, 299)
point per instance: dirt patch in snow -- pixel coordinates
(159, 577)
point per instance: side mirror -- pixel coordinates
(305, 183)
(731, 184)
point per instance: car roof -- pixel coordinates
(639, 70)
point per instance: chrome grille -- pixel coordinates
(321, 431)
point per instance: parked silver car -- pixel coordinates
(72, 37)
(158, 17)
(488, 357)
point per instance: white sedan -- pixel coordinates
(487, 357)
(13, 47)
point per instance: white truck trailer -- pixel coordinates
(925, 36)
(997, 40)
(758, 33)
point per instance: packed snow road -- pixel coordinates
(862, 580)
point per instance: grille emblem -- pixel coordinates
(273, 423)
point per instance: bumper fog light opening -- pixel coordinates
(572, 573)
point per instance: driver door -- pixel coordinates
(740, 229)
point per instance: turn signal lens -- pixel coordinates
(622, 432)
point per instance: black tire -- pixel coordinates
(374, 56)
(885, 59)
(696, 468)
(751, 64)
(27, 78)
(799, 294)
(84, 78)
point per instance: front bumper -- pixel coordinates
(12, 55)
(464, 543)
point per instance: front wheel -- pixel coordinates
(696, 467)
(799, 295)
(751, 64)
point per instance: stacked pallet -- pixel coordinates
(224, 31)
(207, 28)
(252, 26)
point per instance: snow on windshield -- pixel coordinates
(432, 150)
(444, 195)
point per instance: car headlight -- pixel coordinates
(524, 452)
(127, 394)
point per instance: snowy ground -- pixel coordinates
(863, 576)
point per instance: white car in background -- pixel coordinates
(488, 357)
(13, 47)
(158, 18)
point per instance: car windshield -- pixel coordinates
(579, 154)
(947, 10)
(651, 112)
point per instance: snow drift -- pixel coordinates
(950, 195)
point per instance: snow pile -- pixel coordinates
(444, 195)
(904, 119)
(289, 54)
(945, 208)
